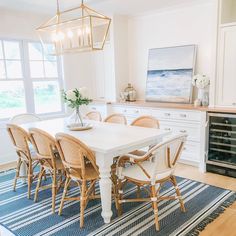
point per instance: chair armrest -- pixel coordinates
(132, 158)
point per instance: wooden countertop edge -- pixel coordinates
(168, 106)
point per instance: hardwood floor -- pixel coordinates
(224, 225)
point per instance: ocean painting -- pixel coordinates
(170, 72)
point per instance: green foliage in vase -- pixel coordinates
(75, 98)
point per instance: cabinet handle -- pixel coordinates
(124, 111)
(167, 114)
(183, 115)
(94, 108)
(167, 129)
(234, 103)
(137, 111)
(183, 131)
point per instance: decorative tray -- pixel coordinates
(79, 127)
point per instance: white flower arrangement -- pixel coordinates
(200, 81)
(76, 97)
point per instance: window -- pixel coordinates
(12, 89)
(30, 80)
(45, 79)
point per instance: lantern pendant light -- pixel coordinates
(78, 29)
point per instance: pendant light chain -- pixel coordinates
(58, 8)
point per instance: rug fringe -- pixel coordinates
(216, 213)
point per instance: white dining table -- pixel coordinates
(107, 141)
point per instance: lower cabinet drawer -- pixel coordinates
(180, 115)
(131, 111)
(193, 131)
(191, 152)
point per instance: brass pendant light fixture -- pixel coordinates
(78, 29)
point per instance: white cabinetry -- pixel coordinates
(227, 67)
(177, 121)
(103, 73)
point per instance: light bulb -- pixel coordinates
(70, 34)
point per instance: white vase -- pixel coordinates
(203, 96)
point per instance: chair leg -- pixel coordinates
(155, 207)
(138, 191)
(54, 190)
(38, 184)
(82, 202)
(119, 193)
(30, 177)
(64, 195)
(17, 174)
(182, 207)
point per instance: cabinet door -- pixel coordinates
(227, 67)
(99, 75)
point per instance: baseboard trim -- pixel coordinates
(7, 166)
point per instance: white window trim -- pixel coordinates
(28, 82)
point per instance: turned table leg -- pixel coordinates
(104, 163)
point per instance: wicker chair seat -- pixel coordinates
(134, 172)
(90, 174)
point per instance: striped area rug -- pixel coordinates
(23, 217)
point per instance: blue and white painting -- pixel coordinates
(170, 72)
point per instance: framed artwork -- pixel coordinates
(169, 75)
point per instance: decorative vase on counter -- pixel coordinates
(203, 96)
(202, 83)
(130, 93)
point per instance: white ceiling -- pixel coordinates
(127, 7)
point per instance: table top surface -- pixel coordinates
(103, 137)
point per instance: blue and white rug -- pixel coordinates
(23, 217)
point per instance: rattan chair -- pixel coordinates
(94, 115)
(80, 166)
(146, 121)
(153, 169)
(21, 139)
(116, 118)
(24, 118)
(50, 162)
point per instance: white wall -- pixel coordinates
(194, 24)
(19, 25)
(121, 58)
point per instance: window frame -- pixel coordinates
(28, 81)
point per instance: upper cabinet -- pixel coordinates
(226, 57)
(227, 12)
(227, 67)
(103, 79)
